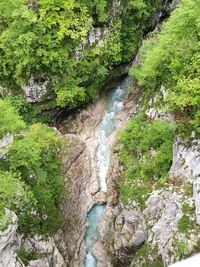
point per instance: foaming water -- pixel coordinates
(106, 128)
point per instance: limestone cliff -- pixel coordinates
(12, 245)
(153, 236)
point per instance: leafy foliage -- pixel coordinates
(12, 192)
(34, 156)
(26, 256)
(184, 224)
(183, 249)
(146, 156)
(26, 111)
(172, 59)
(43, 38)
(10, 121)
(30, 174)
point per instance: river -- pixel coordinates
(106, 128)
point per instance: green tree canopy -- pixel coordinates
(10, 121)
(172, 59)
(49, 40)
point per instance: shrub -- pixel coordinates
(10, 121)
(184, 224)
(146, 156)
(42, 39)
(26, 256)
(182, 249)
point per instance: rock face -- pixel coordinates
(47, 250)
(11, 242)
(162, 215)
(123, 231)
(7, 240)
(186, 166)
(4, 144)
(126, 230)
(80, 177)
(34, 91)
(100, 198)
(135, 237)
(97, 34)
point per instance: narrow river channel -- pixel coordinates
(106, 128)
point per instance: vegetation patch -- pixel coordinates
(146, 156)
(142, 257)
(49, 40)
(182, 249)
(172, 59)
(26, 256)
(184, 224)
(30, 173)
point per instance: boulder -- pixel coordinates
(34, 91)
(4, 144)
(100, 198)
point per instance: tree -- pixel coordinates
(173, 60)
(10, 121)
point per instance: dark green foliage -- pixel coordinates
(30, 183)
(27, 111)
(182, 249)
(187, 209)
(146, 156)
(136, 18)
(26, 256)
(10, 121)
(14, 195)
(41, 39)
(35, 157)
(142, 257)
(184, 224)
(172, 59)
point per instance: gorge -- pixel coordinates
(107, 126)
(99, 133)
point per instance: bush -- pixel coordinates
(14, 195)
(26, 256)
(26, 110)
(146, 156)
(182, 249)
(10, 121)
(184, 224)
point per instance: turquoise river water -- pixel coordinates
(114, 105)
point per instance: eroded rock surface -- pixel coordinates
(127, 232)
(80, 174)
(8, 255)
(5, 142)
(186, 166)
(34, 91)
(11, 242)
(47, 251)
(80, 177)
